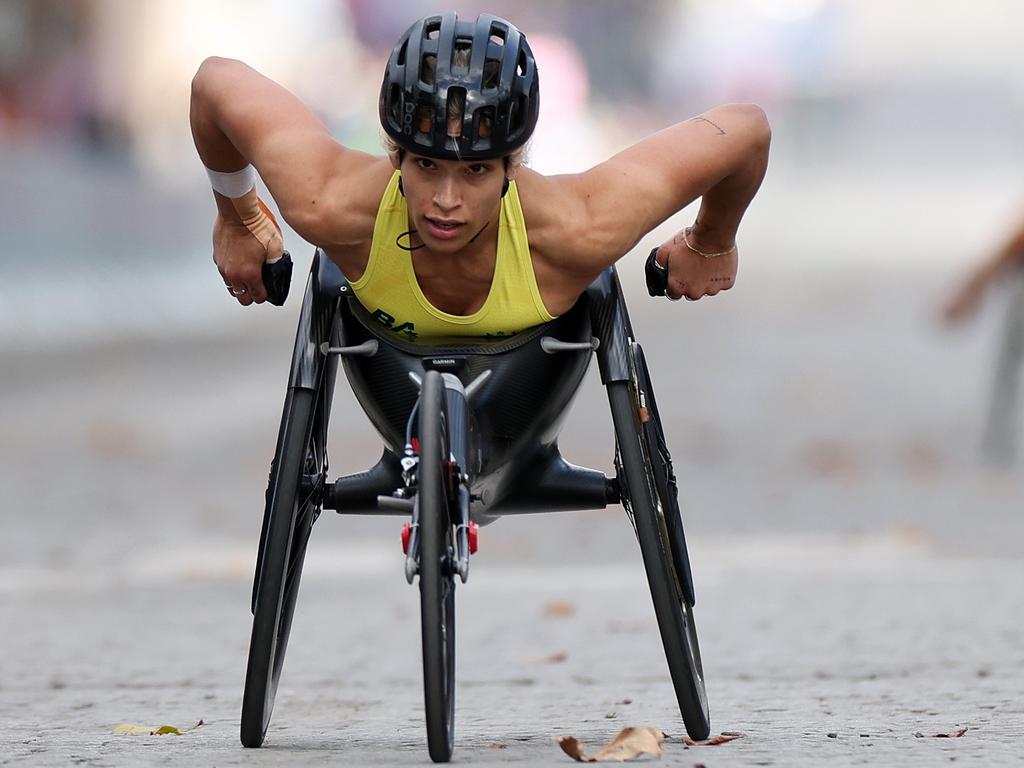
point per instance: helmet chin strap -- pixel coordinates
(410, 232)
(485, 226)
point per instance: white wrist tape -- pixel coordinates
(234, 184)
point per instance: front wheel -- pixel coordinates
(638, 478)
(434, 501)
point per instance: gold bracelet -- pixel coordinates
(686, 239)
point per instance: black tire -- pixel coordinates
(437, 583)
(292, 507)
(640, 496)
(664, 475)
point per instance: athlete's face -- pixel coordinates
(451, 201)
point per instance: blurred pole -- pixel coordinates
(1000, 440)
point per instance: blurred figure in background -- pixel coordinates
(1000, 439)
(1005, 262)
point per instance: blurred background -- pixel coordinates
(824, 423)
(823, 381)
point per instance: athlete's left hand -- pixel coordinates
(692, 275)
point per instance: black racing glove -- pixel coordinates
(657, 276)
(277, 279)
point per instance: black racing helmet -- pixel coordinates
(481, 73)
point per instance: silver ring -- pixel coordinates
(236, 291)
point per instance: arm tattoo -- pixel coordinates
(702, 119)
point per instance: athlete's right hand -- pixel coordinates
(240, 256)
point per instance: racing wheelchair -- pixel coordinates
(470, 428)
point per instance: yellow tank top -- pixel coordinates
(391, 294)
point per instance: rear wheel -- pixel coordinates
(645, 498)
(437, 583)
(293, 504)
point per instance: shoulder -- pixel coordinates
(345, 211)
(563, 235)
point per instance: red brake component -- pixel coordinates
(415, 445)
(473, 529)
(406, 533)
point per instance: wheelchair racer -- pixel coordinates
(449, 233)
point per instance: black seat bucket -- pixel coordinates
(518, 410)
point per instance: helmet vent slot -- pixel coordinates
(428, 69)
(400, 59)
(516, 115)
(432, 29)
(395, 101)
(521, 63)
(491, 74)
(485, 122)
(424, 119)
(461, 56)
(456, 106)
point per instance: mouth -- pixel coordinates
(443, 229)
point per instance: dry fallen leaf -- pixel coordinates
(630, 626)
(573, 747)
(129, 728)
(953, 735)
(722, 738)
(115, 441)
(497, 745)
(553, 658)
(831, 459)
(163, 730)
(558, 609)
(629, 743)
(922, 460)
(149, 730)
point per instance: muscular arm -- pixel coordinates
(238, 116)
(720, 156)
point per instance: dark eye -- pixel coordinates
(477, 169)
(424, 162)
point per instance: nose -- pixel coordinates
(447, 196)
